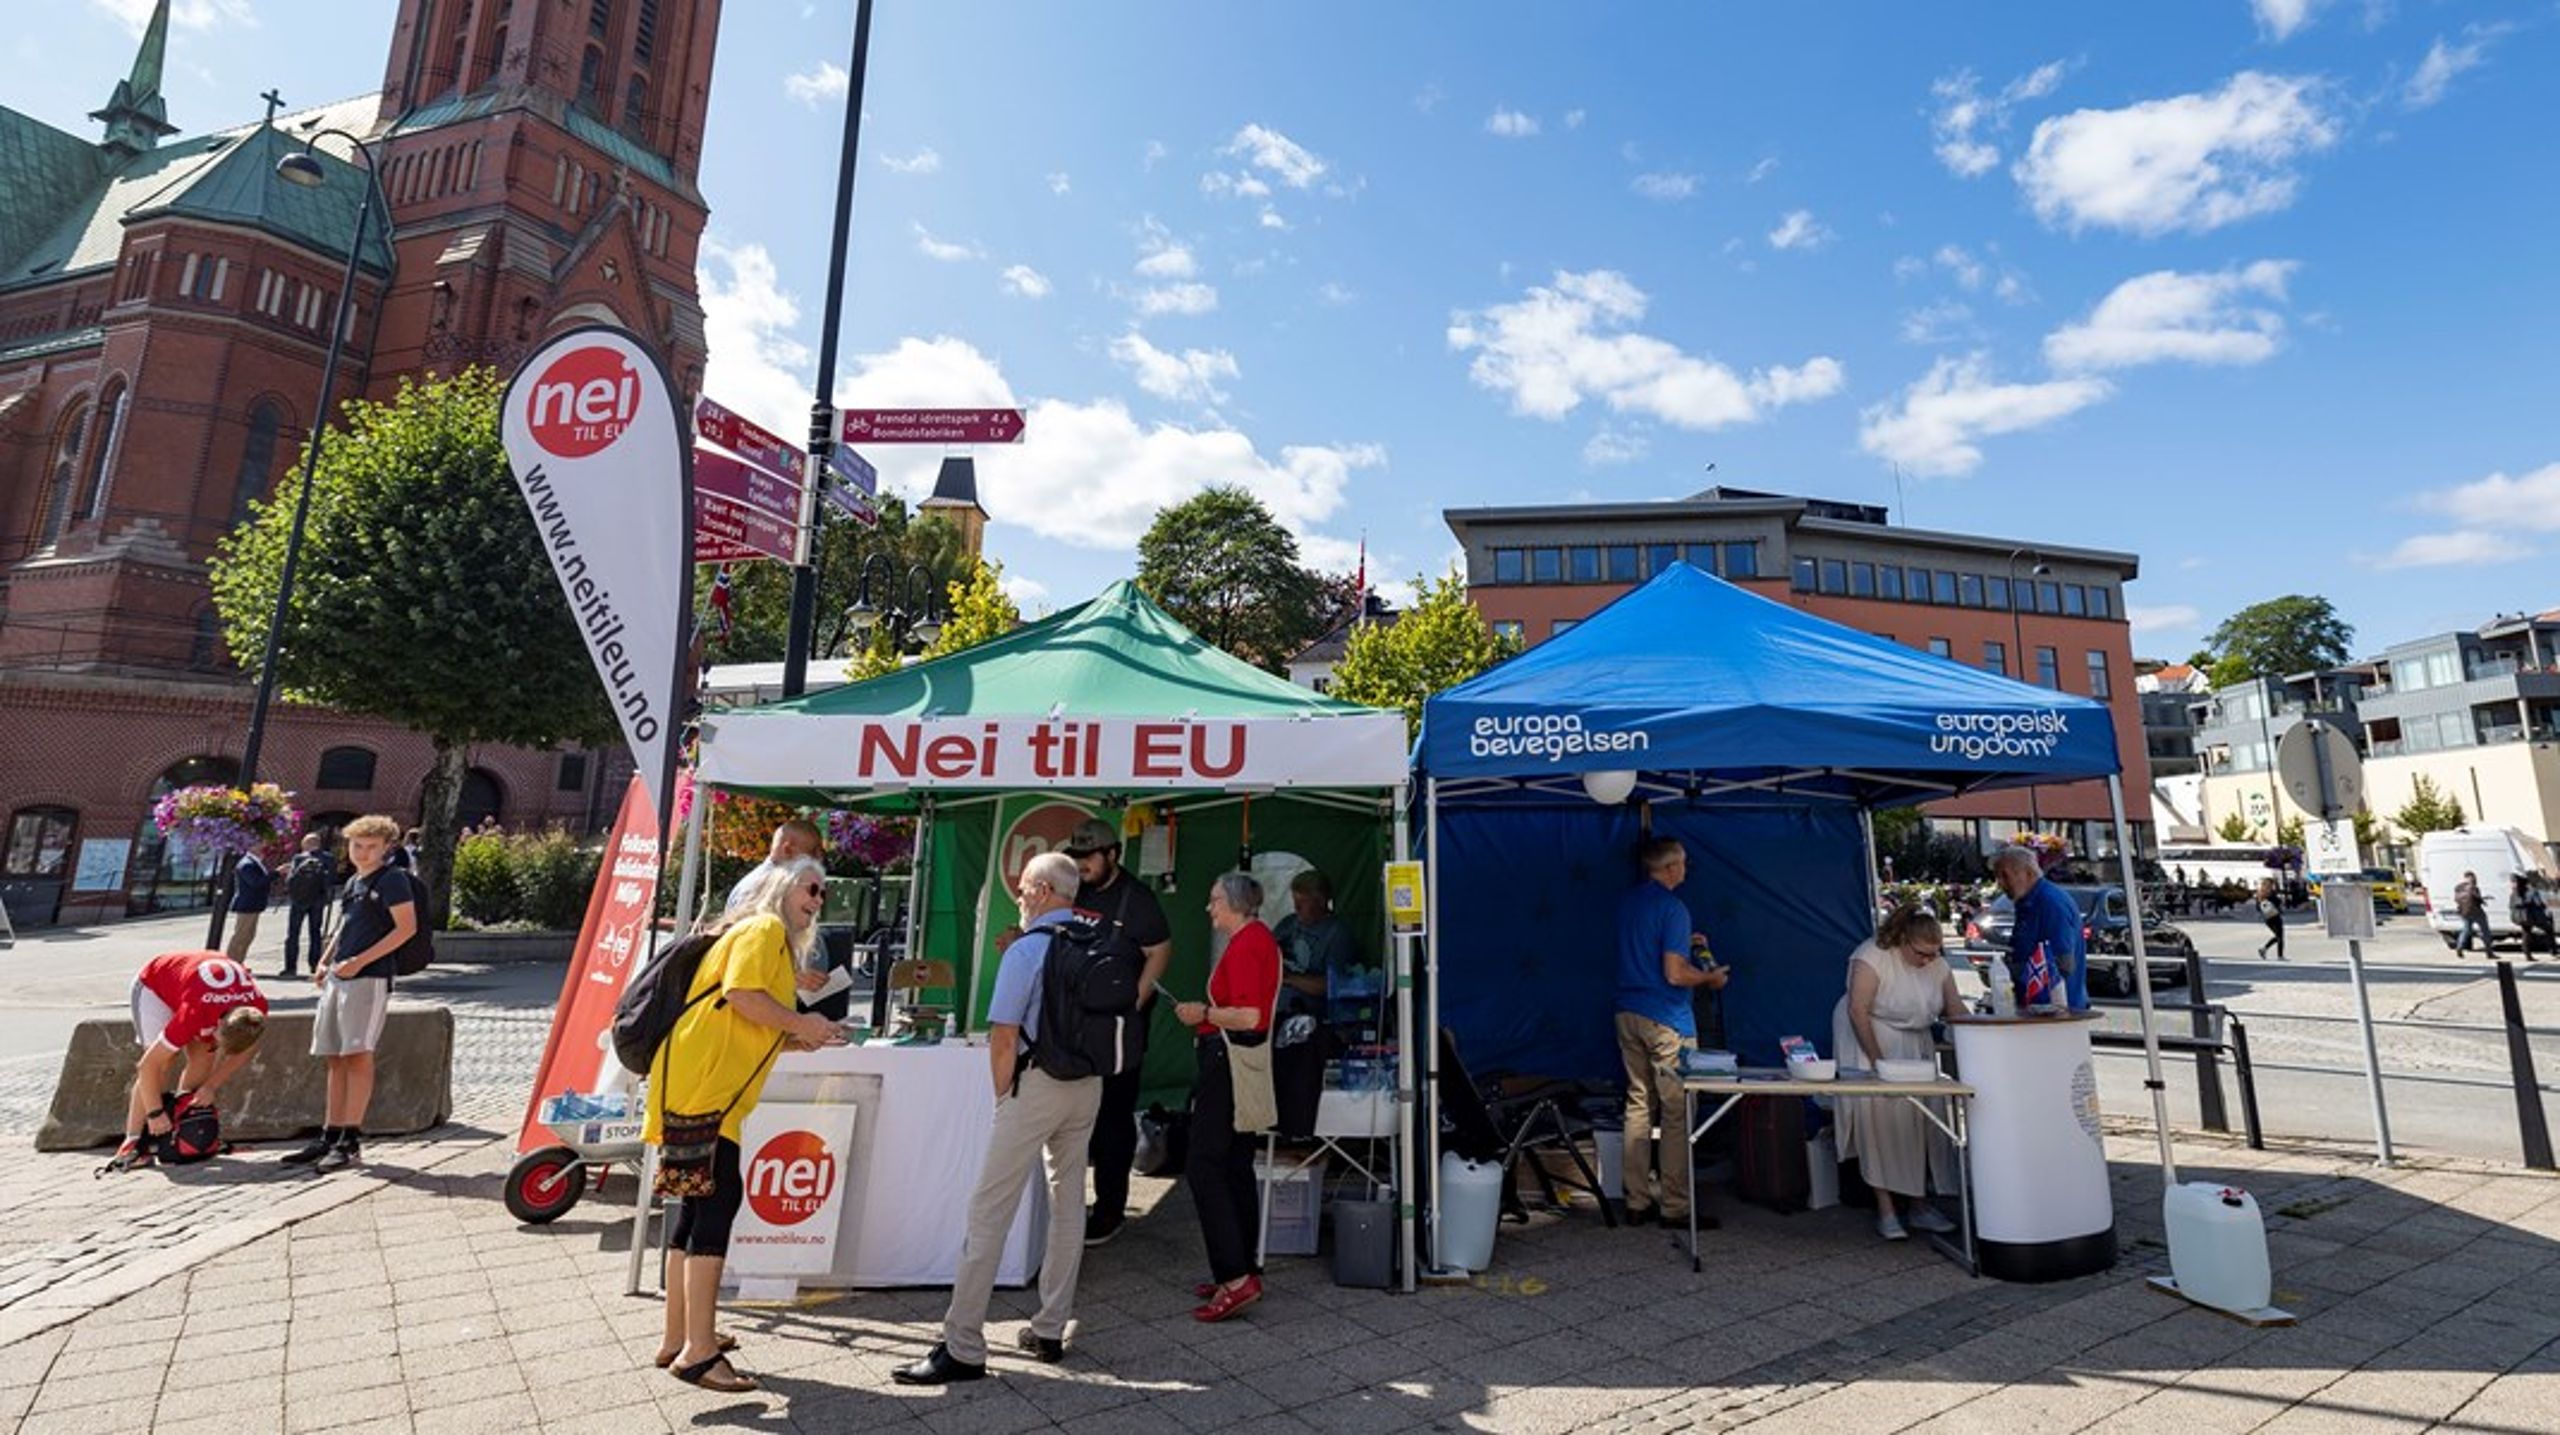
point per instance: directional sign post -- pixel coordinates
(2324, 774)
(721, 475)
(929, 426)
(758, 446)
(739, 525)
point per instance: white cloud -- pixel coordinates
(185, 15)
(923, 161)
(1059, 183)
(756, 366)
(2279, 19)
(1963, 113)
(1762, 170)
(2190, 318)
(2443, 62)
(1335, 294)
(1271, 219)
(1799, 230)
(1933, 427)
(1176, 299)
(2529, 501)
(1971, 273)
(1240, 184)
(1188, 377)
(2190, 162)
(1666, 187)
(1152, 155)
(1559, 345)
(1611, 446)
(1428, 98)
(2469, 547)
(1023, 281)
(1510, 124)
(827, 82)
(1573, 118)
(1166, 259)
(1028, 594)
(2167, 618)
(943, 249)
(1941, 321)
(1267, 149)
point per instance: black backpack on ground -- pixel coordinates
(650, 1007)
(1090, 1024)
(195, 1134)
(306, 880)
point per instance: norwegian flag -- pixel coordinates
(720, 602)
(2043, 983)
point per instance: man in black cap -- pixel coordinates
(1116, 898)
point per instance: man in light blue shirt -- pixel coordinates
(1656, 1018)
(1039, 1119)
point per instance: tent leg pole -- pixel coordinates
(1402, 950)
(915, 908)
(689, 877)
(2142, 984)
(1875, 879)
(1427, 1048)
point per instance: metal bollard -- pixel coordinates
(2209, 1105)
(2530, 1121)
(2248, 1078)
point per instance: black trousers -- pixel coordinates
(1115, 1142)
(1220, 1169)
(2275, 936)
(297, 919)
(702, 1226)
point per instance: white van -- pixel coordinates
(2495, 855)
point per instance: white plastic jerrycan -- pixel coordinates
(2217, 1246)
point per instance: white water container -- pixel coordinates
(1470, 1208)
(2217, 1246)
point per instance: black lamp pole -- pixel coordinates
(910, 610)
(301, 169)
(2018, 641)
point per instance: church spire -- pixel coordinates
(136, 116)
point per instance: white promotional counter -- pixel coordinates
(2043, 1209)
(920, 1117)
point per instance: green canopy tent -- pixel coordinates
(1105, 707)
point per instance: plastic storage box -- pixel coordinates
(1296, 1209)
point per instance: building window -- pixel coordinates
(644, 31)
(573, 770)
(40, 842)
(1835, 576)
(2075, 601)
(1995, 658)
(1889, 582)
(2048, 668)
(110, 427)
(1862, 580)
(257, 458)
(2048, 597)
(1562, 626)
(2101, 605)
(1509, 566)
(1804, 575)
(1508, 630)
(1742, 560)
(1702, 556)
(345, 769)
(1660, 558)
(1322, 685)
(1942, 587)
(1546, 565)
(187, 271)
(635, 106)
(66, 477)
(2099, 687)
(1585, 563)
(1622, 563)
(1969, 590)
(1995, 593)
(1941, 648)
(591, 82)
(599, 17)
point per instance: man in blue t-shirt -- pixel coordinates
(1656, 1018)
(2046, 916)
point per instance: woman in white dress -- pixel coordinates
(1898, 984)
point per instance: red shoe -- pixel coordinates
(1205, 1289)
(1230, 1300)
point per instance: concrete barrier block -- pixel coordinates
(281, 1095)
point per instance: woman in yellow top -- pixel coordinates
(717, 1057)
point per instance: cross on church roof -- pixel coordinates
(275, 102)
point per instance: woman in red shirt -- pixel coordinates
(1242, 989)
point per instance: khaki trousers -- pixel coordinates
(1046, 1122)
(1652, 1054)
(244, 930)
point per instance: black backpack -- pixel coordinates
(195, 1134)
(306, 879)
(414, 955)
(655, 1000)
(1090, 1024)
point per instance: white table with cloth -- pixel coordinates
(919, 1138)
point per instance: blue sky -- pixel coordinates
(2261, 290)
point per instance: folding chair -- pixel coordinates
(1490, 1123)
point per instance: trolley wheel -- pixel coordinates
(544, 1184)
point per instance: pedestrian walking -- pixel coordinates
(1042, 1118)
(377, 916)
(306, 892)
(2271, 912)
(2473, 908)
(1231, 1036)
(2532, 912)
(251, 883)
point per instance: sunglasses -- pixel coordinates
(815, 889)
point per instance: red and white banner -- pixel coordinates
(612, 944)
(797, 1160)
(852, 754)
(598, 446)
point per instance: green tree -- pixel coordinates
(2429, 809)
(2289, 833)
(1438, 643)
(2371, 831)
(2234, 828)
(422, 594)
(2291, 634)
(760, 592)
(1226, 569)
(976, 609)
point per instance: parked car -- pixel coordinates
(2388, 894)
(2107, 932)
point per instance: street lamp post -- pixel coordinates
(2018, 654)
(299, 168)
(909, 597)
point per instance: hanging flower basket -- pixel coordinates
(742, 829)
(2051, 848)
(226, 819)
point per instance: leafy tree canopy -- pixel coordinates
(2429, 809)
(760, 592)
(2291, 634)
(1438, 643)
(1226, 569)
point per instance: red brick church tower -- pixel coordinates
(164, 314)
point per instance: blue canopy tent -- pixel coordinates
(1759, 735)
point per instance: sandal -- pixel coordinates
(724, 1342)
(133, 1155)
(719, 1376)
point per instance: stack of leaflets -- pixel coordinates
(1695, 1062)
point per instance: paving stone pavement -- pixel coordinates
(2426, 1295)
